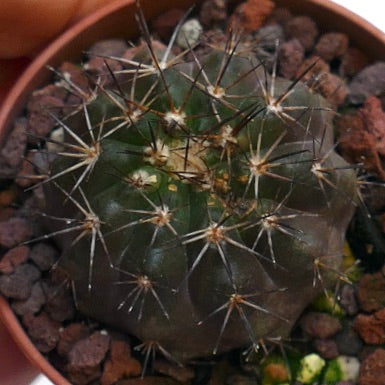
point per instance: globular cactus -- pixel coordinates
(200, 202)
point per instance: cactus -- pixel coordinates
(198, 200)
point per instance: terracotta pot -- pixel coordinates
(14, 368)
(117, 20)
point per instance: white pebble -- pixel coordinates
(57, 136)
(350, 367)
(189, 33)
(311, 367)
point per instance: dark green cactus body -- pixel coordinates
(216, 199)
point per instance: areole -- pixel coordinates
(117, 20)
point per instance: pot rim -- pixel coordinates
(26, 346)
(13, 102)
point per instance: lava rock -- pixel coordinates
(374, 117)
(290, 58)
(31, 305)
(369, 81)
(7, 197)
(18, 285)
(60, 305)
(348, 341)
(371, 328)
(302, 28)
(327, 348)
(179, 373)
(12, 152)
(279, 16)
(348, 300)
(268, 35)
(43, 331)
(114, 47)
(42, 106)
(331, 45)
(312, 68)
(370, 292)
(213, 12)
(75, 75)
(333, 89)
(24, 177)
(13, 258)
(85, 358)
(99, 53)
(43, 255)
(320, 325)
(359, 145)
(352, 62)
(120, 364)
(251, 14)
(14, 232)
(372, 371)
(69, 336)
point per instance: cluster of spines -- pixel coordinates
(223, 136)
